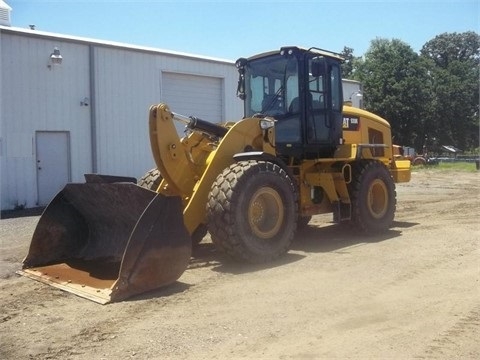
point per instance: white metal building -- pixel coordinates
(70, 106)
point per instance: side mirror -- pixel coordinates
(241, 87)
(240, 64)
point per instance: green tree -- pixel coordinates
(454, 113)
(350, 64)
(448, 47)
(396, 86)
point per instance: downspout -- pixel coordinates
(93, 111)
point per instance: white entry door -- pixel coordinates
(53, 163)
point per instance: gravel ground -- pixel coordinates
(410, 293)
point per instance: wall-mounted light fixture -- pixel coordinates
(55, 57)
(85, 102)
(357, 94)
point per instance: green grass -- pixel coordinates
(448, 166)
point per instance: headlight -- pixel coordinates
(266, 124)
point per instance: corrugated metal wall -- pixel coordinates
(126, 86)
(205, 95)
(127, 83)
(99, 90)
(39, 97)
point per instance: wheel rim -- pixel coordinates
(265, 213)
(377, 200)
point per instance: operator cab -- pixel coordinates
(302, 90)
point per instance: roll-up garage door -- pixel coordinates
(193, 95)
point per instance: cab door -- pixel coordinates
(323, 110)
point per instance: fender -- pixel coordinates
(261, 155)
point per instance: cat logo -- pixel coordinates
(351, 123)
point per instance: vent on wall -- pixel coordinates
(5, 13)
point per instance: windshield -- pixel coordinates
(271, 85)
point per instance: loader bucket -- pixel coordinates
(109, 241)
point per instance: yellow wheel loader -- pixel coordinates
(297, 152)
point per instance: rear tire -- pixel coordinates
(373, 197)
(252, 211)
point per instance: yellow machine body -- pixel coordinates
(190, 165)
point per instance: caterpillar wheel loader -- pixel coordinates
(297, 152)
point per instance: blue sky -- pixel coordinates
(231, 29)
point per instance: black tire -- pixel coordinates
(151, 181)
(252, 211)
(419, 161)
(373, 197)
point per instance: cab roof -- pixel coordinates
(313, 50)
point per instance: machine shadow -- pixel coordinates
(404, 224)
(205, 255)
(177, 287)
(311, 239)
(333, 237)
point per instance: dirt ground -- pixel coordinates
(411, 293)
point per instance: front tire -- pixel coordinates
(252, 211)
(373, 197)
(151, 180)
